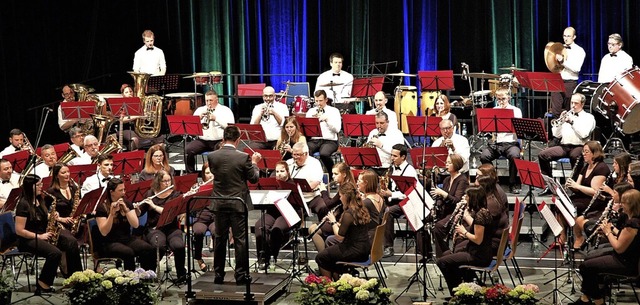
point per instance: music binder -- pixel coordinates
(287, 211)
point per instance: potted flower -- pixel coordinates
(471, 293)
(348, 290)
(467, 293)
(6, 287)
(112, 287)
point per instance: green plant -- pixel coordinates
(112, 287)
(348, 290)
(471, 293)
(6, 282)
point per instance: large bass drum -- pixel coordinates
(593, 92)
(622, 98)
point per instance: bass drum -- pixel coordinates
(593, 92)
(622, 98)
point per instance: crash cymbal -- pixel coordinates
(199, 74)
(550, 51)
(483, 75)
(513, 68)
(331, 84)
(402, 74)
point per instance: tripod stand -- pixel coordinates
(296, 270)
(421, 275)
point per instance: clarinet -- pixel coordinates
(596, 195)
(456, 217)
(322, 223)
(605, 215)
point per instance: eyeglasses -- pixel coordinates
(298, 154)
(268, 95)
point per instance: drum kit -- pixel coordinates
(206, 78)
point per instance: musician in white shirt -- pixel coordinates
(49, 158)
(270, 115)
(101, 177)
(330, 125)
(16, 140)
(77, 139)
(455, 143)
(380, 103)
(336, 83)
(8, 180)
(572, 64)
(384, 138)
(218, 117)
(149, 58)
(302, 166)
(615, 62)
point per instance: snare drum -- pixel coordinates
(301, 104)
(216, 77)
(406, 103)
(622, 98)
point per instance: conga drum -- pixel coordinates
(428, 101)
(406, 103)
(216, 77)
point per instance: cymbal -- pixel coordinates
(331, 84)
(512, 68)
(483, 75)
(81, 87)
(550, 51)
(402, 74)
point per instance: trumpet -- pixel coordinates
(370, 144)
(204, 120)
(322, 223)
(266, 109)
(562, 118)
(139, 203)
(319, 113)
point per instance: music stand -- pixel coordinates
(184, 183)
(128, 163)
(18, 160)
(269, 158)
(366, 87)
(128, 106)
(12, 199)
(530, 174)
(251, 132)
(80, 172)
(268, 183)
(185, 125)
(89, 202)
(494, 120)
(404, 183)
(163, 82)
(310, 127)
(137, 192)
(361, 157)
(546, 82)
(77, 110)
(529, 130)
(59, 148)
(429, 157)
(358, 125)
(423, 127)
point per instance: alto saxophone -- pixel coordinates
(75, 225)
(282, 146)
(53, 226)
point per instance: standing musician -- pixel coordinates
(304, 167)
(204, 222)
(442, 108)
(149, 58)
(330, 125)
(351, 230)
(167, 236)
(290, 135)
(9, 180)
(155, 161)
(369, 187)
(77, 144)
(101, 177)
(383, 139)
(232, 169)
(615, 62)
(506, 143)
(478, 251)
(623, 260)
(574, 129)
(271, 116)
(399, 167)
(16, 141)
(586, 188)
(446, 199)
(214, 118)
(49, 158)
(455, 143)
(572, 65)
(115, 217)
(336, 83)
(341, 175)
(380, 102)
(272, 231)
(32, 228)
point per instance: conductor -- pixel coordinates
(231, 169)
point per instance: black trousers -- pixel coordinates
(224, 220)
(271, 233)
(129, 249)
(200, 227)
(510, 151)
(560, 101)
(325, 148)
(53, 255)
(195, 148)
(395, 211)
(169, 238)
(557, 152)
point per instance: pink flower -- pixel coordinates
(331, 290)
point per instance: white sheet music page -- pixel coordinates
(428, 201)
(304, 203)
(565, 206)
(287, 211)
(550, 218)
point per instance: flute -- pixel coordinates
(139, 203)
(322, 223)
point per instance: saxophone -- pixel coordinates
(53, 226)
(282, 146)
(384, 180)
(75, 226)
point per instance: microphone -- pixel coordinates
(47, 109)
(465, 67)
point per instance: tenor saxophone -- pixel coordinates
(53, 226)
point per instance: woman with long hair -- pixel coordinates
(66, 192)
(115, 217)
(341, 174)
(620, 170)
(478, 251)
(169, 235)
(442, 108)
(351, 230)
(204, 222)
(155, 160)
(369, 189)
(289, 135)
(31, 227)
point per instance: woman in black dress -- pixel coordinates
(115, 217)
(368, 185)
(623, 260)
(156, 159)
(66, 193)
(352, 230)
(31, 227)
(169, 235)
(478, 251)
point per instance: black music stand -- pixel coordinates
(137, 192)
(18, 160)
(423, 127)
(80, 172)
(310, 127)
(358, 126)
(529, 130)
(361, 157)
(163, 83)
(128, 163)
(268, 183)
(184, 183)
(530, 175)
(185, 125)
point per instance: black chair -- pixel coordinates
(9, 252)
(96, 238)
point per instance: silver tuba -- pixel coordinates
(148, 126)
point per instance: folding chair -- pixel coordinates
(96, 237)
(9, 251)
(495, 264)
(377, 249)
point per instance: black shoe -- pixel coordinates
(181, 280)
(515, 189)
(242, 281)
(388, 252)
(40, 290)
(544, 192)
(218, 280)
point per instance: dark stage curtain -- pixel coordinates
(46, 44)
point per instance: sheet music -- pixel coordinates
(415, 209)
(274, 195)
(257, 196)
(428, 200)
(568, 204)
(565, 207)
(287, 211)
(550, 218)
(304, 203)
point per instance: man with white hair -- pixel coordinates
(91, 151)
(304, 167)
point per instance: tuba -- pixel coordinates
(148, 126)
(111, 146)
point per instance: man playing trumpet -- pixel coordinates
(383, 138)
(380, 103)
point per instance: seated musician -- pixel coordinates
(303, 166)
(442, 108)
(330, 125)
(341, 174)
(289, 135)
(36, 237)
(497, 205)
(351, 230)
(573, 129)
(68, 95)
(67, 195)
(16, 141)
(620, 171)
(380, 102)
(383, 139)
(204, 222)
(270, 115)
(92, 149)
(506, 143)
(272, 231)
(115, 217)
(10, 180)
(623, 260)
(130, 138)
(101, 177)
(77, 144)
(155, 160)
(478, 251)
(585, 188)
(216, 117)
(454, 143)
(368, 185)
(49, 158)
(633, 177)
(399, 167)
(169, 235)
(446, 198)
(614, 215)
